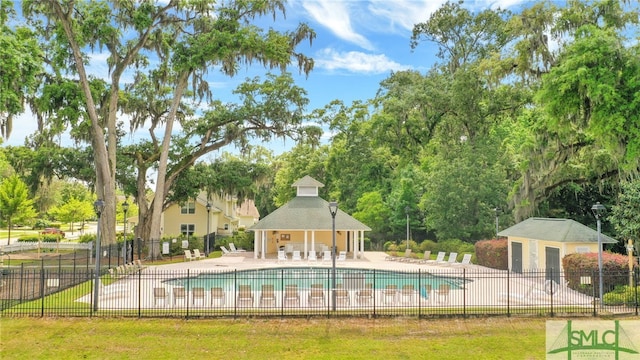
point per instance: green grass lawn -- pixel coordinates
(316, 338)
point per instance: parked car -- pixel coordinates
(53, 231)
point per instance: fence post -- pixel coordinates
(595, 313)
(140, 294)
(464, 293)
(21, 281)
(508, 293)
(42, 289)
(186, 295)
(551, 283)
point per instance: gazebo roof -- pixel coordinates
(307, 213)
(559, 230)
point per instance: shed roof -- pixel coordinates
(307, 213)
(559, 230)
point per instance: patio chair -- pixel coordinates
(342, 297)
(282, 255)
(312, 256)
(198, 255)
(291, 296)
(365, 296)
(425, 292)
(407, 294)
(188, 256)
(217, 296)
(296, 256)
(225, 251)
(316, 295)
(179, 293)
(267, 296)
(197, 294)
(407, 256)
(389, 294)
(233, 248)
(160, 293)
(452, 259)
(466, 260)
(443, 293)
(439, 258)
(138, 264)
(342, 256)
(245, 296)
(326, 255)
(425, 258)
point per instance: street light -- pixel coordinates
(98, 206)
(206, 246)
(125, 208)
(333, 209)
(406, 211)
(598, 211)
(497, 211)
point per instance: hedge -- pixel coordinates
(493, 254)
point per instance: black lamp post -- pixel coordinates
(598, 211)
(125, 208)
(206, 246)
(406, 211)
(333, 209)
(98, 206)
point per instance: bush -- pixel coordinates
(428, 245)
(621, 295)
(41, 224)
(86, 238)
(615, 270)
(36, 238)
(241, 239)
(493, 254)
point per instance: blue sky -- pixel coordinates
(358, 44)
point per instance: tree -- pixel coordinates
(372, 211)
(189, 38)
(73, 211)
(625, 215)
(15, 204)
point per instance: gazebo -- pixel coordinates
(305, 224)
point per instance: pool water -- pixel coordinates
(304, 277)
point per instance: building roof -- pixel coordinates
(307, 213)
(248, 208)
(559, 230)
(307, 181)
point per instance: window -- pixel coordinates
(226, 226)
(188, 208)
(187, 229)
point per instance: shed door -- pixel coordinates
(552, 256)
(516, 257)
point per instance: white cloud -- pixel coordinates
(404, 13)
(335, 16)
(356, 62)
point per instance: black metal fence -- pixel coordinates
(138, 291)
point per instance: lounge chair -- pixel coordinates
(407, 256)
(282, 256)
(296, 256)
(425, 258)
(197, 254)
(425, 291)
(365, 296)
(452, 259)
(291, 296)
(233, 248)
(217, 296)
(407, 294)
(326, 255)
(160, 293)
(443, 293)
(439, 258)
(342, 297)
(179, 293)
(316, 295)
(466, 261)
(188, 256)
(267, 296)
(197, 294)
(225, 251)
(245, 296)
(342, 256)
(312, 256)
(389, 294)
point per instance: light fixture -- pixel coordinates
(98, 206)
(598, 211)
(333, 210)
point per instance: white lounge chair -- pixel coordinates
(291, 296)
(296, 256)
(197, 294)
(225, 251)
(179, 294)
(407, 294)
(312, 256)
(316, 295)
(466, 261)
(452, 259)
(365, 296)
(160, 293)
(188, 256)
(282, 256)
(268, 296)
(439, 258)
(197, 254)
(245, 296)
(233, 248)
(326, 255)
(342, 256)
(217, 296)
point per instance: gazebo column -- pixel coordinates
(361, 243)
(313, 240)
(356, 248)
(304, 254)
(256, 235)
(264, 244)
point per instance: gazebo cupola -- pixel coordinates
(307, 187)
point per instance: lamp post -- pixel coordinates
(406, 211)
(598, 211)
(206, 246)
(497, 211)
(125, 208)
(333, 209)
(98, 206)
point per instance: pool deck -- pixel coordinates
(487, 287)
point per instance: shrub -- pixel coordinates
(86, 238)
(429, 245)
(36, 238)
(493, 254)
(615, 271)
(621, 295)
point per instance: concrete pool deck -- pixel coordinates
(485, 287)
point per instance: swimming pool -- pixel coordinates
(304, 277)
